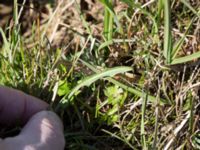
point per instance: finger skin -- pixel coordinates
(18, 106)
(44, 131)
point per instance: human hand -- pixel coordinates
(43, 130)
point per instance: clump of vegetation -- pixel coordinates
(121, 74)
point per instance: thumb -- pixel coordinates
(44, 131)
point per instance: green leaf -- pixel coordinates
(167, 32)
(91, 79)
(108, 20)
(186, 58)
(108, 6)
(114, 118)
(113, 110)
(6, 52)
(63, 88)
(115, 95)
(125, 87)
(105, 44)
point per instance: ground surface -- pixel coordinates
(120, 74)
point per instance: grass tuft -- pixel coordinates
(120, 74)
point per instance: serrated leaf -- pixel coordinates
(127, 88)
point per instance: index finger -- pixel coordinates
(18, 106)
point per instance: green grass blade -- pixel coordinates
(186, 58)
(108, 20)
(119, 138)
(105, 44)
(15, 12)
(136, 92)
(187, 4)
(6, 50)
(167, 32)
(91, 79)
(108, 5)
(106, 23)
(110, 29)
(160, 8)
(178, 45)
